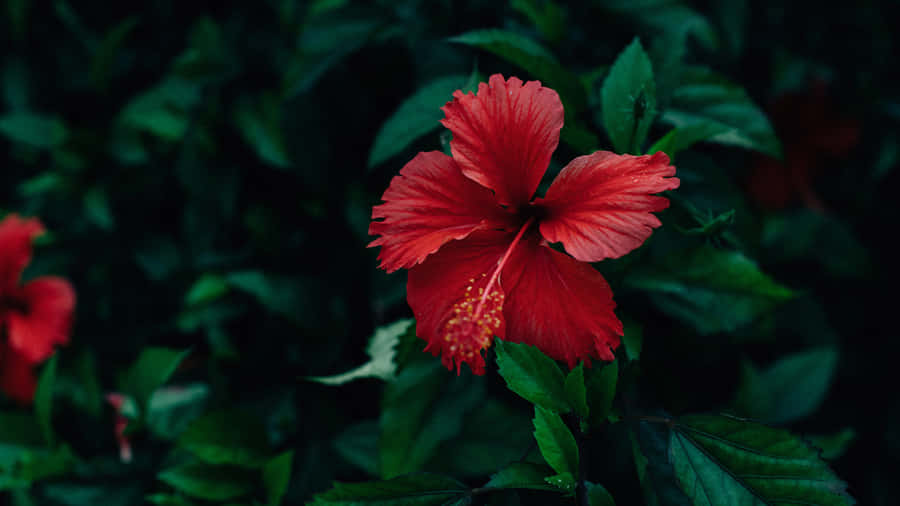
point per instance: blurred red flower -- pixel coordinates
(476, 244)
(810, 131)
(34, 317)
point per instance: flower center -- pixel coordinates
(477, 316)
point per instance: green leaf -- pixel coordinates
(576, 392)
(601, 390)
(276, 477)
(541, 64)
(532, 375)
(422, 408)
(105, 54)
(19, 434)
(628, 98)
(35, 130)
(725, 460)
(277, 294)
(171, 410)
(650, 444)
(521, 475)
(43, 400)
(556, 442)
(97, 209)
(417, 115)
(162, 110)
(633, 340)
(549, 18)
(227, 437)
(833, 446)
(598, 495)
(212, 483)
(153, 367)
(358, 444)
(706, 101)
(711, 289)
(260, 124)
(208, 288)
(410, 490)
(681, 138)
(790, 389)
(168, 500)
(562, 481)
(381, 351)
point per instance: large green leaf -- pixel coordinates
(153, 367)
(601, 390)
(556, 441)
(422, 408)
(213, 483)
(34, 130)
(417, 115)
(713, 290)
(522, 475)
(628, 97)
(410, 490)
(532, 375)
(227, 437)
(725, 460)
(381, 351)
(707, 98)
(790, 389)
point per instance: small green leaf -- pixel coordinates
(208, 288)
(260, 123)
(212, 483)
(276, 477)
(227, 437)
(576, 392)
(153, 367)
(679, 139)
(532, 375)
(601, 390)
(599, 496)
(633, 340)
(713, 290)
(628, 97)
(725, 460)
(790, 389)
(171, 410)
(410, 490)
(381, 351)
(421, 409)
(43, 400)
(34, 130)
(556, 442)
(521, 475)
(417, 115)
(97, 209)
(706, 101)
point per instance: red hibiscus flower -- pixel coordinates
(810, 131)
(34, 317)
(476, 244)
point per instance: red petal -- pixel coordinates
(427, 205)
(16, 235)
(441, 285)
(504, 136)
(50, 302)
(17, 379)
(561, 305)
(599, 206)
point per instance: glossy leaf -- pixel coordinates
(521, 475)
(790, 389)
(227, 437)
(628, 97)
(706, 101)
(725, 460)
(532, 375)
(713, 290)
(417, 115)
(556, 441)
